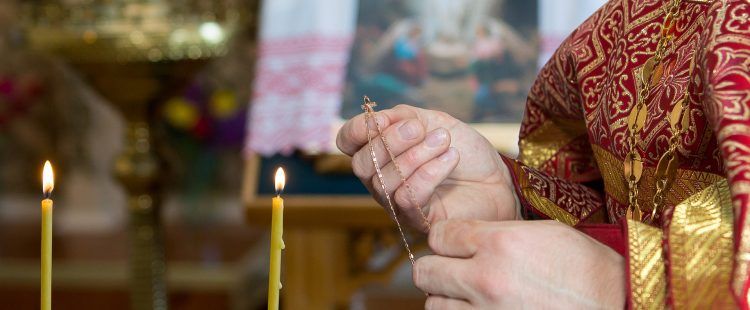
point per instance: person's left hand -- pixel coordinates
(518, 264)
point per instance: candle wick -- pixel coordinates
(47, 194)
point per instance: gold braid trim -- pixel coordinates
(700, 239)
(742, 257)
(686, 183)
(549, 208)
(539, 202)
(546, 141)
(648, 282)
(700, 243)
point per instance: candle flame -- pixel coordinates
(280, 180)
(48, 179)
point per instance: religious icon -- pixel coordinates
(472, 59)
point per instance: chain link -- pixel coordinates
(367, 106)
(662, 181)
(667, 165)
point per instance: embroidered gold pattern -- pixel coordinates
(594, 76)
(648, 281)
(544, 142)
(686, 181)
(700, 239)
(726, 107)
(541, 203)
(549, 208)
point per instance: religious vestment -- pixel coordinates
(695, 249)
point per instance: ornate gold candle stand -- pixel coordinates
(136, 54)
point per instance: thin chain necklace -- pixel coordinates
(367, 106)
(679, 121)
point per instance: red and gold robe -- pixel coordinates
(573, 142)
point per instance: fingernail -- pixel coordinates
(449, 155)
(436, 138)
(409, 130)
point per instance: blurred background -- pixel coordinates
(165, 120)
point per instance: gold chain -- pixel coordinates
(367, 106)
(679, 121)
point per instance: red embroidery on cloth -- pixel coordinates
(592, 78)
(302, 45)
(297, 93)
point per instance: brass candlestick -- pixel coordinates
(136, 53)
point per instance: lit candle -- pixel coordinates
(48, 183)
(277, 244)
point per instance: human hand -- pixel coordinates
(448, 165)
(518, 264)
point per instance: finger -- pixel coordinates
(423, 183)
(445, 276)
(353, 134)
(453, 238)
(434, 144)
(436, 302)
(400, 137)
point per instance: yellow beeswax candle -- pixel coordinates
(277, 243)
(48, 183)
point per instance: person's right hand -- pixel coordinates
(453, 171)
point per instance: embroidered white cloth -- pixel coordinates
(303, 53)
